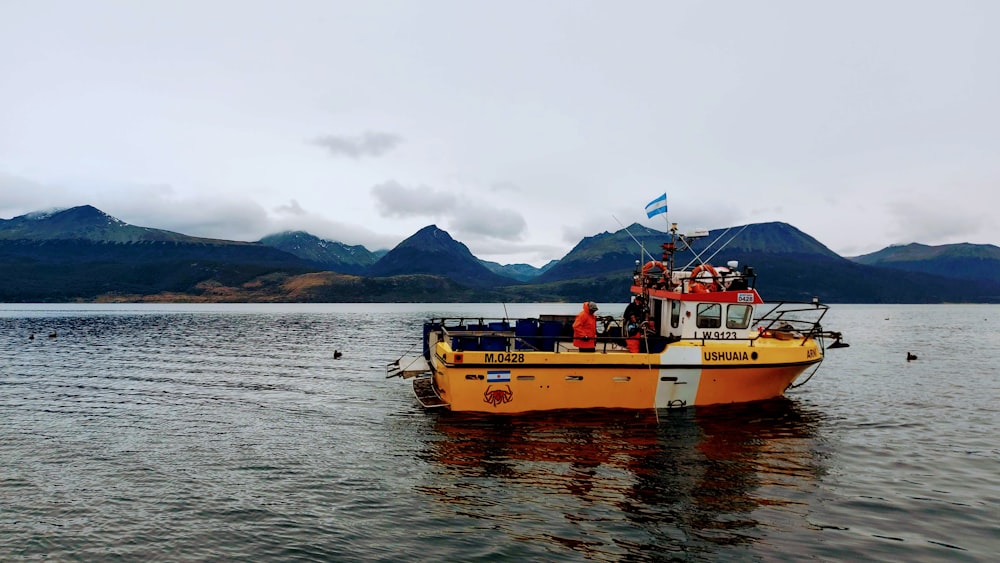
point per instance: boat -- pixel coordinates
(705, 337)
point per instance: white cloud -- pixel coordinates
(784, 112)
(369, 143)
(940, 218)
(462, 218)
(483, 222)
(395, 200)
(292, 208)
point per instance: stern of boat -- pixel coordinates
(418, 369)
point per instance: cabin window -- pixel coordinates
(656, 312)
(738, 316)
(675, 313)
(709, 315)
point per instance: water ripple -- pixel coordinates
(205, 433)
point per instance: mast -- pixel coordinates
(668, 254)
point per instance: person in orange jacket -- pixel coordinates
(585, 328)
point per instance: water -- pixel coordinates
(229, 432)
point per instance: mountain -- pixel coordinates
(85, 254)
(520, 272)
(342, 258)
(767, 238)
(82, 253)
(82, 223)
(604, 253)
(790, 265)
(327, 254)
(618, 251)
(964, 261)
(432, 251)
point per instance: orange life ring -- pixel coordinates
(702, 287)
(649, 266)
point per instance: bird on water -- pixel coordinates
(337, 354)
(910, 357)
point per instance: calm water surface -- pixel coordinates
(229, 432)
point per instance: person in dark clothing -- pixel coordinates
(633, 331)
(635, 309)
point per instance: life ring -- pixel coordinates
(649, 266)
(702, 287)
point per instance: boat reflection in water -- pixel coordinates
(627, 483)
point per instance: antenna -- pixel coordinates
(697, 256)
(711, 244)
(721, 248)
(642, 249)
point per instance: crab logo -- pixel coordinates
(497, 397)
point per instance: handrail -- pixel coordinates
(663, 280)
(781, 316)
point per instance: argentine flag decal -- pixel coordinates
(497, 376)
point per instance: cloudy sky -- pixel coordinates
(517, 126)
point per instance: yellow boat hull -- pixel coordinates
(686, 373)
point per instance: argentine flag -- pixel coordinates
(657, 206)
(497, 376)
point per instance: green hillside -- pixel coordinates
(85, 254)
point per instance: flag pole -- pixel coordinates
(666, 213)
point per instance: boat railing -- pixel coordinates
(554, 333)
(793, 318)
(679, 280)
(547, 333)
